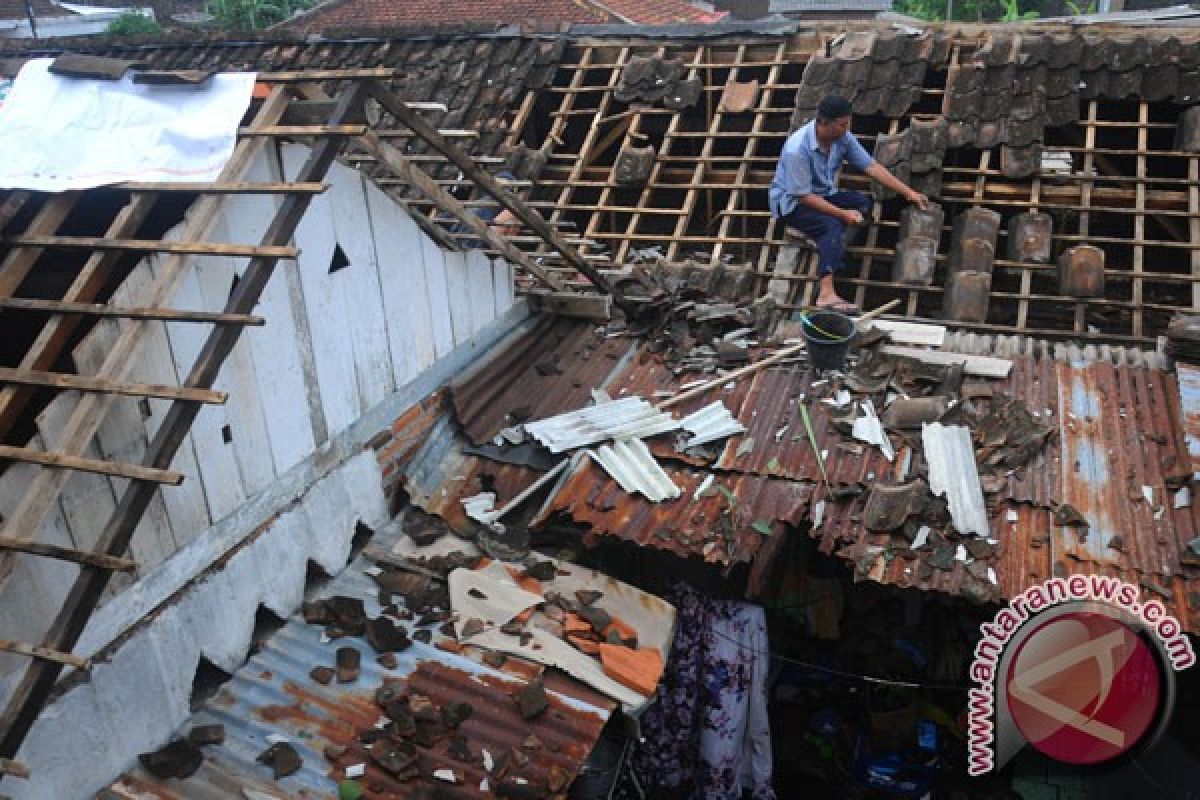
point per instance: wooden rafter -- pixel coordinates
(126, 312)
(85, 383)
(32, 692)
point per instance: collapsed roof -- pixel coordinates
(1095, 151)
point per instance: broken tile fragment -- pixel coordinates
(349, 661)
(177, 759)
(203, 735)
(532, 700)
(386, 637)
(282, 758)
(322, 675)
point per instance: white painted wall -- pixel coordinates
(334, 347)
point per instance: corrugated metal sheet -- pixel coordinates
(1001, 346)
(630, 464)
(547, 370)
(440, 475)
(623, 418)
(1121, 432)
(273, 694)
(775, 443)
(724, 524)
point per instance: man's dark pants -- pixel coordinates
(829, 233)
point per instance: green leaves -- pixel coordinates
(133, 23)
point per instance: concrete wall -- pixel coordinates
(343, 353)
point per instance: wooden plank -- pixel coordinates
(281, 359)
(68, 554)
(737, 198)
(357, 287)
(693, 194)
(303, 130)
(84, 383)
(14, 768)
(1085, 198)
(408, 263)
(455, 267)
(480, 291)
(56, 334)
(487, 183)
(150, 246)
(43, 653)
(644, 196)
(333, 353)
(241, 428)
(1035, 187)
(18, 262)
(31, 694)
(212, 429)
(1139, 221)
(234, 187)
(127, 312)
(504, 281)
(1194, 225)
(84, 422)
(982, 366)
(570, 304)
(37, 587)
(87, 499)
(306, 75)
(65, 462)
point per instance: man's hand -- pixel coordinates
(917, 199)
(852, 217)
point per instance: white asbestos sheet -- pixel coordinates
(61, 133)
(953, 473)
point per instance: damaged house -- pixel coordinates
(316, 484)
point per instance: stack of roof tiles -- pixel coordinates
(880, 72)
(1004, 94)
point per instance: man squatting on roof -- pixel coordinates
(805, 196)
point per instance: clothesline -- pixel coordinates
(844, 674)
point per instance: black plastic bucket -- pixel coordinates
(828, 335)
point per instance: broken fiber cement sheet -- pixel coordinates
(59, 133)
(953, 473)
(652, 618)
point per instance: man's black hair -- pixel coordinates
(833, 107)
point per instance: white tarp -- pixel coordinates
(60, 133)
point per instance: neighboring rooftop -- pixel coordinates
(363, 15)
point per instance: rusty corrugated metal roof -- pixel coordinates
(725, 524)
(1118, 426)
(273, 693)
(549, 369)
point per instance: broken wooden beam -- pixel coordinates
(80, 464)
(43, 653)
(100, 560)
(85, 383)
(406, 170)
(235, 187)
(572, 304)
(486, 182)
(127, 312)
(304, 130)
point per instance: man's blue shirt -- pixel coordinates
(804, 169)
